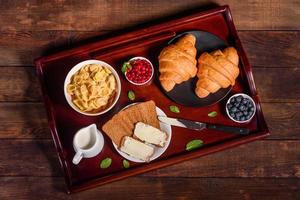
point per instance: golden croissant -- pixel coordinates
(216, 70)
(177, 62)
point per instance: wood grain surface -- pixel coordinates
(272, 159)
(108, 15)
(36, 188)
(266, 169)
(21, 48)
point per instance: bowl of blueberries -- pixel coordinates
(240, 108)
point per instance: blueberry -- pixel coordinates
(239, 114)
(242, 108)
(229, 106)
(239, 98)
(250, 113)
(250, 104)
(245, 113)
(247, 117)
(252, 109)
(238, 118)
(232, 114)
(234, 109)
(243, 118)
(236, 104)
(245, 101)
(232, 100)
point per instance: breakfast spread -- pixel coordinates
(92, 88)
(136, 130)
(186, 67)
(216, 70)
(177, 62)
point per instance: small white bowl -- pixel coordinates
(141, 58)
(244, 96)
(78, 67)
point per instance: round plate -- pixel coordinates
(158, 151)
(184, 93)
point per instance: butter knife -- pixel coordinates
(200, 125)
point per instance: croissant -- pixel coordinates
(177, 62)
(216, 70)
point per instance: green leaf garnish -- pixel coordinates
(194, 144)
(174, 109)
(126, 164)
(212, 114)
(131, 95)
(105, 163)
(125, 66)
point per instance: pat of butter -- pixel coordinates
(150, 134)
(136, 148)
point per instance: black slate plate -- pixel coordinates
(184, 93)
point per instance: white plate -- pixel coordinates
(158, 151)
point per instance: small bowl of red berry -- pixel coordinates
(138, 70)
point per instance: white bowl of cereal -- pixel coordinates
(92, 87)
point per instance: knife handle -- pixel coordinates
(228, 129)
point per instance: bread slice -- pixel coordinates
(114, 129)
(150, 134)
(136, 149)
(122, 124)
(152, 115)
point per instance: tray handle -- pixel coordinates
(133, 44)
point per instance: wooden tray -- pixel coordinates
(147, 42)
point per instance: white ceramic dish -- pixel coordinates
(79, 66)
(244, 96)
(141, 58)
(85, 136)
(158, 151)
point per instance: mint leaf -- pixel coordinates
(125, 66)
(105, 163)
(131, 95)
(194, 144)
(174, 109)
(212, 114)
(126, 164)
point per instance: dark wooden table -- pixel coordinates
(266, 169)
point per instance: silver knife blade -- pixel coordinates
(182, 123)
